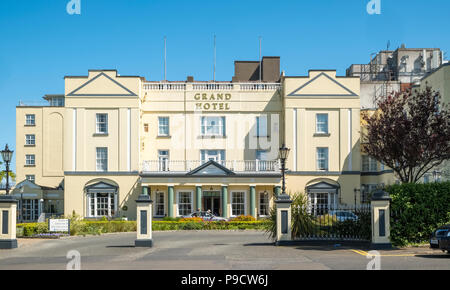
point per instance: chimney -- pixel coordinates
(190, 79)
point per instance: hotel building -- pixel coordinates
(192, 144)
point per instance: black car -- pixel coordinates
(440, 239)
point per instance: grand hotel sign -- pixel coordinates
(212, 102)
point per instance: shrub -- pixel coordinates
(302, 222)
(171, 219)
(100, 227)
(244, 218)
(192, 219)
(417, 210)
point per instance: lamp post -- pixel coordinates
(356, 190)
(283, 204)
(283, 155)
(7, 156)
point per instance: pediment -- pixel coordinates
(211, 168)
(322, 185)
(102, 85)
(323, 85)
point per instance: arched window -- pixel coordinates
(101, 200)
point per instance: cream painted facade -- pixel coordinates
(191, 145)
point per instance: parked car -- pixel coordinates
(342, 215)
(206, 216)
(440, 239)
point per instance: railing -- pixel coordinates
(34, 104)
(211, 86)
(260, 86)
(164, 87)
(271, 166)
(334, 222)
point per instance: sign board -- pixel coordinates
(59, 225)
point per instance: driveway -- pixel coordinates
(206, 250)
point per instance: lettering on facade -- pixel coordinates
(212, 102)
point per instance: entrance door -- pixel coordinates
(211, 201)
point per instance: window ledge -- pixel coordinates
(101, 134)
(164, 136)
(30, 165)
(262, 137)
(212, 137)
(322, 135)
(30, 145)
(30, 125)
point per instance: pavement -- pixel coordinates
(208, 250)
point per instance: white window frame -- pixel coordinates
(30, 139)
(327, 158)
(163, 165)
(261, 127)
(156, 203)
(268, 203)
(31, 177)
(191, 192)
(30, 160)
(97, 159)
(89, 204)
(221, 155)
(314, 208)
(368, 164)
(320, 123)
(163, 126)
(245, 192)
(100, 123)
(30, 119)
(204, 121)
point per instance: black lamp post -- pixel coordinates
(283, 155)
(7, 156)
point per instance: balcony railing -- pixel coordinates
(163, 86)
(184, 166)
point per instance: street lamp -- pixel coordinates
(7, 156)
(283, 155)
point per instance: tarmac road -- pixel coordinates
(207, 250)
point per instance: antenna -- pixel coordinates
(260, 59)
(214, 69)
(165, 58)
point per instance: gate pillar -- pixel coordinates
(380, 219)
(144, 221)
(284, 227)
(8, 208)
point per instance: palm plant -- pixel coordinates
(3, 174)
(302, 222)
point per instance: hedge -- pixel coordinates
(101, 227)
(417, 210)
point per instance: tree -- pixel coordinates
(3, 174)
(409, 132)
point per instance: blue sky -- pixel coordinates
(40, 42)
